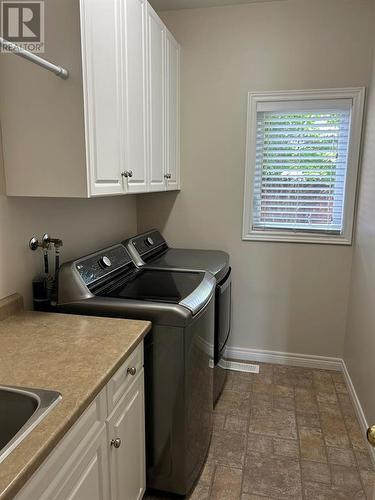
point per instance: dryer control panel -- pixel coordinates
(147, 245)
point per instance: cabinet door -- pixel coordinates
(134, 78)
(101, 60)
(156, 100)
(89, 477)
(127, 463)
(77, 469)
(172, 112)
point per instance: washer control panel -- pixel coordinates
(105, 262)
(98, 265)
(148, 242)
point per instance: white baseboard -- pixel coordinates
(284, 358)
(358, 407)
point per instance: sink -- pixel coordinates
(21, 409)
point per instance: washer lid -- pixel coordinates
(214, 261)
(189, 289)
(152, 249)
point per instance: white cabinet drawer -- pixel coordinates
(124, 377)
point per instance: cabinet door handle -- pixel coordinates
(116, 443)
(167, 176)
(127, 173)
(132, 370)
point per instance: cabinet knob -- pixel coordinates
(167, 176)
(116, 443)
(127, 173)
(371, 435)
(132, 370)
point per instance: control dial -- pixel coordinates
(105, 262)
(149, 241)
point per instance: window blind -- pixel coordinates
(300, 169)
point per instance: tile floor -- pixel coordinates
(287, 433)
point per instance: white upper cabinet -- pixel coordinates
(134, 86)
(102, 95)
(163, 56)
(172, 112)
(156, 100)
(113, 126)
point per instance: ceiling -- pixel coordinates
(160, 5)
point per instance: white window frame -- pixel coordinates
(357, 96)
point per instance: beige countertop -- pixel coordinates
(74, 355)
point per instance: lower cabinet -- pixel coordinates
(88, 475)
(126, 424)
(102, 457)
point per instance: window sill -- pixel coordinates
(290, 237)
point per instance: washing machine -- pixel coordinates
(179, 352)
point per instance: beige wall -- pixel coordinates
(84, 226)
(287, 297)
(42, 115)
(360, 337)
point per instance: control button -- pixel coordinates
(149, 241)
(105, 262)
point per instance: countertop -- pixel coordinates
(74, 355)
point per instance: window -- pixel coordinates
(302, 164)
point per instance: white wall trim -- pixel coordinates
(284, 358)
(358, 407)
